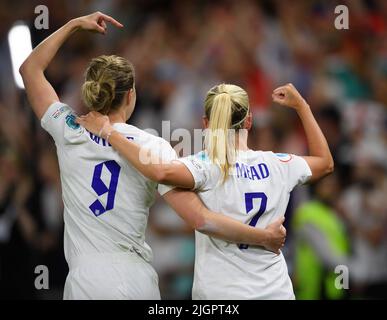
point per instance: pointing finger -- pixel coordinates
(112, 20)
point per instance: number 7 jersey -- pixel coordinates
(106, 200)
(256, 193)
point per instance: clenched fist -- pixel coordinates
(288, 96)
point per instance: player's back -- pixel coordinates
(256, 193)
(106, 201)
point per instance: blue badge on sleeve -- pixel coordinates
(202, 156)
(70, 121)
(284, 157)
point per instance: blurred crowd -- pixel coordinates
(180, 49)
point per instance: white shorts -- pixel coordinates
(116, 276)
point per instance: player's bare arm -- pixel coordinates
(40, 92)
(171, 173)
(320, 158)
(190, 208)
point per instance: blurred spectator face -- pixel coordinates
(380, 88)
(328, 190)
(9, 167)
(365, 174)
(167, 76)
(329, 121)
(371, 179)
(166, 89)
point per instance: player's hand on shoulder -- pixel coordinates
(288, 96)
(94, 122)
(96, 22)
(276, 235)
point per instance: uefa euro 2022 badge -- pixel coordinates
(284, 157)
(70, 121)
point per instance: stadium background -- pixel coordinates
(180, 49)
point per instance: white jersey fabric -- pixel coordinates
(256, 193)
(106, 201)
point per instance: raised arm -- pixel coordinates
(149, 164)
(320, 158)
(39, 91)
(190, 208)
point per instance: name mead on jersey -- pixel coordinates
(255, 172)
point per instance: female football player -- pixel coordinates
(251, 186)
(106, 201)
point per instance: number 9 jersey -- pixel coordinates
(256, 192)
(106, 201)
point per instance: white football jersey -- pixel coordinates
(256, 193)
(106, 200)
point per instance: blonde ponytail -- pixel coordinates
(226, 108)
(217, 143)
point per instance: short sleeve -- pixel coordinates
(59, 122)
(295, 169)
(166, 153)
(198, 166)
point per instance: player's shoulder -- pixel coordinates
(274, 158)
(202, 156)
(155, 140)
(60, 112)
(205, 172)
(60, 121)
(282, 157)
(141, 136)
(285, 161)
(199, 160)
(56, 111)
(258, 155)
